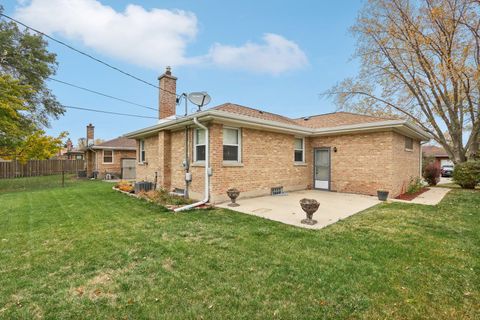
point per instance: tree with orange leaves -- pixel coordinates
(420, 60)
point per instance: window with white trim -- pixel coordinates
(299, 154)
(199, 145)
(141, 151)
(107, 156)
(231, 144)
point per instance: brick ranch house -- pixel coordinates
(255, 151)
(69, 152)
(115, 157)
(437, 154)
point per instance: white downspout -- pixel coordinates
(421, 160)
(207, 177)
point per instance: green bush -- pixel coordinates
(415, 185)
(467, 174)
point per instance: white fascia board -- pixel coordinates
(399, 125)
(277, 126)
(112, 148)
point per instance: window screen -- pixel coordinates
(298, 153)
(408, 143)
(199, 145)
(107, 156)
(231, 144)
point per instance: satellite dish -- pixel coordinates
(199, 98)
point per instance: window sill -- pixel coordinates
(142, 163)
(409, 150)
(232, 164)
(300, 164)
(198, 164)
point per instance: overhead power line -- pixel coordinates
(86, 54)
(110, 112)
(101, 94)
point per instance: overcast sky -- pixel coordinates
(271, 55)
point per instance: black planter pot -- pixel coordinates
(382, 195)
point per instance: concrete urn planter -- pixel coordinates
(233, 195)
(310, 206)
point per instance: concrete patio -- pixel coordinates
(286, 208)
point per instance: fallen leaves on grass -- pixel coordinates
(102, 286)
(168, 264)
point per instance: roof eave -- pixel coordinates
(219, 115)
(400, 125)
(113, 148)
(397, 125)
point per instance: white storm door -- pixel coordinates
(322, 169)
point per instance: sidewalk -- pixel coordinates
(431, 197)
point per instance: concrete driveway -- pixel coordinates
(334, 206)
(444, 180)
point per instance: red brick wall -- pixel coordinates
(146, 171)
(406, 164)
(363, 163)
(115, 167)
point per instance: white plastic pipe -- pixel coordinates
(207, 177)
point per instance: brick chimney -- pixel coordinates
(167, 95)
(90, 134)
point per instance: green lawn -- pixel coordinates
(36, 183)
(452, 185)
(87, 252)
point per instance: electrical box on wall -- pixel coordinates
(188, 176)
(210, 171)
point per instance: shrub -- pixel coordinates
(431, 173)
(415, 185)
(125, 186)
(426, 161)
(164, 197)
(467, 174)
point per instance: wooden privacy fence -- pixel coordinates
(32, 168)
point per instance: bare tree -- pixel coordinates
(420, 60)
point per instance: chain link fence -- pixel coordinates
(39, 174)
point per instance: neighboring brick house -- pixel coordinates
(69, 152)
(115, 157)
(255, 151)
(438, 154)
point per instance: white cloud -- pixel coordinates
(153, 38)
(275, 56)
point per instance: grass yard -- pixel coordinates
(452, 185)
(88, 252)
(36, 183)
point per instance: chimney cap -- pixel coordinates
(90, 125)
(167, 73)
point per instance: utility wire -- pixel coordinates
(86, 54)
(110, 112)
(101, 94)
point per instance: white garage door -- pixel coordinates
(446, 162)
